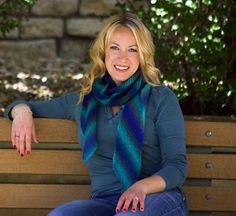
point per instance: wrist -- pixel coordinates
(20, 109)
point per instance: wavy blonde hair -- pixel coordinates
(145, 46)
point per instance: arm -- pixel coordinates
(169, 124)
(22, 113)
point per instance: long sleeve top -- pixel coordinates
(163, 153)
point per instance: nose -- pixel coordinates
(123, 55)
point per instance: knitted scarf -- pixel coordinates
(133, 93)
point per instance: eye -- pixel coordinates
(114, 47)
(133, 50)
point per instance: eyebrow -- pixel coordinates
(128, 46)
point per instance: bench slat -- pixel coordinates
(40, 196)
(48, 130)
(24, 212)
(66, 162)
(33, 196)
(221, 134)
(211, 198)
(211, 166)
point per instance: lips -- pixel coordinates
(121, 67)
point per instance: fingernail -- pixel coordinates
(134, 209)
(28, 152)
(117, 210)
(14, 146)
(124, 209)
(141, 209)
(22, 155)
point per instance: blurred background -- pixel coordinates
(44, 48)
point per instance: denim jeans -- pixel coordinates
(168, 203)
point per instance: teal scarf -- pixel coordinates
(132, 93)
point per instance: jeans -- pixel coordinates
(168, 203)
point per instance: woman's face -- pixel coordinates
(121, 55)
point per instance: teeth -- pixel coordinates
(121, 67)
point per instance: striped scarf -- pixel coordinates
(130, 131)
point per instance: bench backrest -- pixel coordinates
(54, 174)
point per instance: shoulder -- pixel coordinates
(162, 93)
(164, 104)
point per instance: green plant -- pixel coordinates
(195, 50)
(11, 14)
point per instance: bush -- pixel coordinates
(10, 14)
(195, 50)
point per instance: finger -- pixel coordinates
(127, 204)
(135, 203)
(34, 137)
(28, 142)
(17, 141)
(22, 144)
(141, 204)
(120, 203)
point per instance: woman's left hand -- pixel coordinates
(132, 197)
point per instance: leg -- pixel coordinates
(169, 203)
(89, 207)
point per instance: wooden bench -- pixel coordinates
(54, 174)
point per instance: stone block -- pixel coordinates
(75, 48)
(85, 27)
(99, 8)
(42, 28)
(12, 34)
(55, 7)
(28, 50)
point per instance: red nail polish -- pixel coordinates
(22, 155)
(28, 152)
(124, 210)
(14, 146)
(117, 210)
(141, 209)
(133, 209)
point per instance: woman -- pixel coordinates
(136, 168)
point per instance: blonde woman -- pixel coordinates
(138, 167)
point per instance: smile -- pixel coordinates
(121, 67)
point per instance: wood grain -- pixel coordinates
(211, 198)
(212, 166)
(64, 162)
(223, 134)
(40, 196)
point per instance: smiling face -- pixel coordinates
(121, 55)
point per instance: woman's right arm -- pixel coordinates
(22, 113)
(23, 129)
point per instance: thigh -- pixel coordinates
(90, 207)
(169, 203)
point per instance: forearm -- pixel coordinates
(152, 184)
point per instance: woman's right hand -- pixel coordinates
(23, 129)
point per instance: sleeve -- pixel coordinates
(60, 107)
(171, 136)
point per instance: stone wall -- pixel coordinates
(56, 29)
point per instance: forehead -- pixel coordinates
(122, 34)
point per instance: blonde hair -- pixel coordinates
(145, 45)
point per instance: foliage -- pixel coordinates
(195, 50)
(41, 80)
(10, 14)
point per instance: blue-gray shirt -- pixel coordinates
(163, 154)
